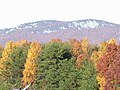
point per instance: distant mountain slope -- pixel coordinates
(95, 30)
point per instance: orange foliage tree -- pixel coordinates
(79, 50)
(76, 47)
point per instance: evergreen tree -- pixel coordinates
(54, 55)
(57, 70)
(87, 76)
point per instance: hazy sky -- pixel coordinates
(15, 12)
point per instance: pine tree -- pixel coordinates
(87, 76)
(54, 67)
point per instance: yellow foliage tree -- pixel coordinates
(5, 56)
(101, 81)
(29, 73)
(85, 45)
(96, 55)
(112, 41)
(21, 43)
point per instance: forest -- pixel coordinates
(58, 65)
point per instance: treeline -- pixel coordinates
(58, 65)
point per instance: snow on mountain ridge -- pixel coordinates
(86, 24)
(53, 25)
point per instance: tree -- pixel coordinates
(76, 47)
(18, 58)
(85, 45)
(30, 71)
(4, 66)
(22, 43)
(55, 64)
(1, 50)
(97, 54)
(109, 67)
(87, 76)
(57, 70)
(13, 63)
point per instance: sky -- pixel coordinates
(15, 12)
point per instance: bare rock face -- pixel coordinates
(96, 31)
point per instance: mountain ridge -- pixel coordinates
(60, 21)
(45, 30)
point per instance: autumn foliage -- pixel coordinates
(4, 68)
(29, 73)
(59, 65)
(109, 67)
(80, 50)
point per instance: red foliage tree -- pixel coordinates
(109, 67)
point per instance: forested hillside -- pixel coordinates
(58, 65)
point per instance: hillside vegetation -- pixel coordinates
(58, 65)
